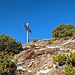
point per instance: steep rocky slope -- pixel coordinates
(37, 60)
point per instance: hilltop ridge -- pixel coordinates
(36, 58)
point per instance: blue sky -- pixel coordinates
(42, 15)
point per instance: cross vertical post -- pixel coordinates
(27, 32)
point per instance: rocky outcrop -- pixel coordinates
(38, 60)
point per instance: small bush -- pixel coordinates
(63, 58)
(35, 40)
(69, 70)
(9, 44)
(32, 45)
(72, 58)
(7, 64)
(60, 58)
(63, 30)
(69, 60)
(50, 41)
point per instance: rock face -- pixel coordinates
(38, 60)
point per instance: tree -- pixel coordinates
(8, 44)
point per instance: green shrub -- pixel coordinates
(32, 45)
(63, 30)
(74, 33)
(8, 44)
(69, 60)
(6, 63)
(63, 58)
(69, 70)
(35, 40)
(60, 58)
(72, 58)
(50, 41)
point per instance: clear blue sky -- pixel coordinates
(42, 15)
